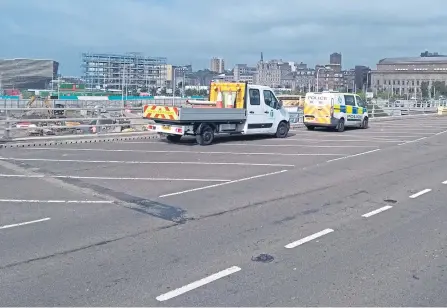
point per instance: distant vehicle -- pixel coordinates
(233, 108)
(335, 110)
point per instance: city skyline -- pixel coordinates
(187, 33)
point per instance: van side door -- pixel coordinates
(351, 110)
(362, 106)
(257, 114)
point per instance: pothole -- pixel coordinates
(263, 258)
(390, 201)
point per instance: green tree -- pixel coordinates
(438, 88)
(361, 94)
(424, 89)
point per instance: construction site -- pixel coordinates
(128, 72)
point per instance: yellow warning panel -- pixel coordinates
(231, 93)
(160, 112)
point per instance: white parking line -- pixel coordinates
(198, 283)
(54, 201)
(354, 155)
(382, 209)
(109, 178)
(221, 184)
(274, 145)
(299, 145)
(24, 223)
(308, 238)
(422, 192)
(338, 140)
(141, 162)
(413, 141)
(371, 134)
(190, 152)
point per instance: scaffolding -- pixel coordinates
(128, 72)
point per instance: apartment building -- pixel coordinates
(217, 65)
(271, 73)
(244, 73)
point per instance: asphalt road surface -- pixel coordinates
(320, 218)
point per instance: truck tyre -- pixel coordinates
(282, 131)
(205, 136)
(365, 123)
(310, 127)
(341, 125)
(173, 138)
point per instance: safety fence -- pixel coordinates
(19, 118)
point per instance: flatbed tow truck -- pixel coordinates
(233, 108)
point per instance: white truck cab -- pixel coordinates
(233, 108)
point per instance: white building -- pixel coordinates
(217, 65)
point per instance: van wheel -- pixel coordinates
(341, 125)
(173, 138)
(365, 123)
(205, 136)
(310, 127)
(282, 131)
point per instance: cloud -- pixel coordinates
(195, 30)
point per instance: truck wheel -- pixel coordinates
(205, 136)
(282, 131)
(341, 125)
(173, 138)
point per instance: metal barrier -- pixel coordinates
(18, 120)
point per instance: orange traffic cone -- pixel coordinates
(219, 99)
(230, 103)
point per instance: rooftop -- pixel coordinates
(413, 60)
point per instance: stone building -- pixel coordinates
(404, 76)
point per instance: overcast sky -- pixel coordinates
(193, 31)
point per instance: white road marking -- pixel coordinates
(24, 223)
(141, 162)
(382, 209)
(192, 152)
(54, 201)
(413, 141)
(276, 145)
(338, 140)
(440, 133)
(308, 238)
(301, 145)
(354, 155)
(221, 184)
(445, 182)
(390, 134)
(198, 283)
(422, 192)
(108, 178)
